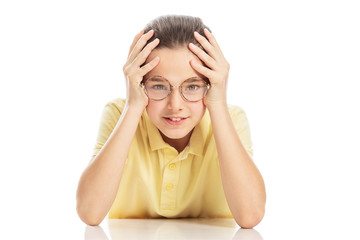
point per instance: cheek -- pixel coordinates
(153, 109)
(199, 109)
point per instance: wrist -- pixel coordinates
(215, 106)
(134, 108)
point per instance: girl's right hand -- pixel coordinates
(134, 71)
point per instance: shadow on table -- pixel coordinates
(193, 228)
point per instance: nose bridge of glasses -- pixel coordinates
(179, 93)
(175, 86)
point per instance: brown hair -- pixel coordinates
(176, 31)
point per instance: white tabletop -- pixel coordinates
(170, 229)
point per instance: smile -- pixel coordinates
(175, 121)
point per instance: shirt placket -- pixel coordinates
(170, 180)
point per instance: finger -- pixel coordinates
(209, 61)
(136, 38)
(206, 45)
(201, 69)
(140, 45)
(214, 43)
(211, 38)
(144, 54)
(149, 66)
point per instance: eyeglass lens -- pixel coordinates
(193, 89)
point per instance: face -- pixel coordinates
(175, 67)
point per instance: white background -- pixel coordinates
(295, 69)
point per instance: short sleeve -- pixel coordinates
(109, 118)
(242, 127)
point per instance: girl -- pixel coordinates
(173, 148)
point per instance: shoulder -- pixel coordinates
(239, 117)
(113, 109)
(116, 104)
(236, 111)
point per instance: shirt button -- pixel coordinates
(169, 186)
(172, 166)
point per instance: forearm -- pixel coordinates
(99, 182)
(242, 182)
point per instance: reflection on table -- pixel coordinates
(189, 228)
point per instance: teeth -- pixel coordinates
(175, 119)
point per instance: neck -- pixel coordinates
(179, 144)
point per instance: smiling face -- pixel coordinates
(174, 116)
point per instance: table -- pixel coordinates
(189, 228)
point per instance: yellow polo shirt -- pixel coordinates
(158, 181)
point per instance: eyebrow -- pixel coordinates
(158, 78)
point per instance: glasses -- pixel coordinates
(158, 88)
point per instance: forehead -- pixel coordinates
(174, 64)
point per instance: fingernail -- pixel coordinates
(197, 34)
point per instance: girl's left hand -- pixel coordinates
(216, 69)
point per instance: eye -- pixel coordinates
(192, 87)
(157, 84)
(158, 87)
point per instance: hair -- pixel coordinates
(176, 31)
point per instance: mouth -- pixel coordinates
(175, 120)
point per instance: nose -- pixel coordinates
(175, 100)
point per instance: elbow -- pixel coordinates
(89, 212)
(91, 221)
(89, 217)
(250, 220)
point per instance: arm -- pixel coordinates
(242, 182)
(99, 182)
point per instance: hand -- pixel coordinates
(134, 72)
(216, 69)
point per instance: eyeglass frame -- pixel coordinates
(142, 84)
